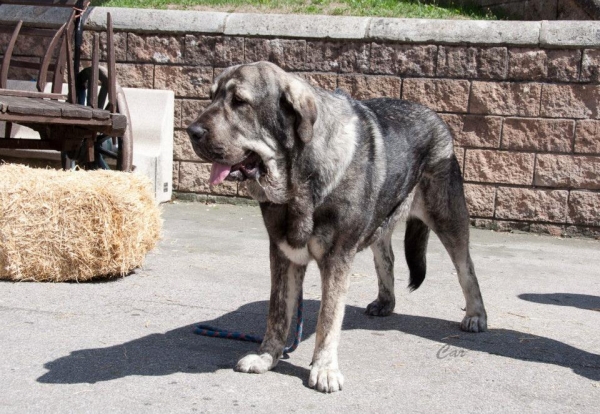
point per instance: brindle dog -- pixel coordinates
(333, 176)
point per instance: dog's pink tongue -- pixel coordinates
(218, 173)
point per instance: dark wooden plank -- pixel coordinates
(112, 68)
(31, 94)
(29, 106)
(100, 114)
(119, 122)
(51, 108)
(38, 144)
(93, 82)
(70, 69)
(41, 83)
(59, 70)
(8, 55)
(7, 129)
(77, 111)
(68, 110)
(99, 125)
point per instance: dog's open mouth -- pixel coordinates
(251, 167)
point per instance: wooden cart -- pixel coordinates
(90, 124)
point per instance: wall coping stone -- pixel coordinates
(548, 34)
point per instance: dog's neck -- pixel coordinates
(333, 145)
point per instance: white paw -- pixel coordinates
(255, 364)
(326, 379)
(477, 323)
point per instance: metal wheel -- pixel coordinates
(110, 153)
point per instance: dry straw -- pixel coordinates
(74, 225)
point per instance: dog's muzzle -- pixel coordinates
(197, 133)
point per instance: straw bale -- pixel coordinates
(74, 225)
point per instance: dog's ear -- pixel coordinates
(302, 100)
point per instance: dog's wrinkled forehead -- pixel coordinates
(253, 78)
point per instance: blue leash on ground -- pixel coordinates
(207, 330)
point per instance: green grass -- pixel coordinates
(383, 8)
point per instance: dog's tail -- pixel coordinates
(415, 247)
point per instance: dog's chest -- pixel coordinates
(302, 256)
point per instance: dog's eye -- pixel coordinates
(237, 100)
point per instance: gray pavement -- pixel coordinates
(128, 345)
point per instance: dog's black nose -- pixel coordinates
(196, 132)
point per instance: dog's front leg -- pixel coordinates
(286, 281)
(325, 375)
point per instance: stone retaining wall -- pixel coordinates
(522, 99)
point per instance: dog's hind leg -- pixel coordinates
(440, 203)
(384, 265)
(286, 282)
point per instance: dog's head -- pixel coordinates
(259, 118)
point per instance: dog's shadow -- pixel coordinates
(575, 300)
(180, 350)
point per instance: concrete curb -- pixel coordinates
(549, 34)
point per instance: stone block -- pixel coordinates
(535, 134)
(185, 81)
(326, 56)
(120, 45)
(590, 65)
(489, 166)
(584, 207)
(175, 175)
(570, 101)
(152, 48)
(532, 205)
(561, 33)
(505, 98)
(177, 114)
(587, 136)
(200, 50)
(480, 200)
(403, 60)
(302, 26)
(527, 64)
(133, 75)
(191, 109)
(568, 171)
(367, 87)
(446, 95)
(229, 51)
(472, 62)
(288, 54)
(474, 130)
(455, 31)
(563, 65)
